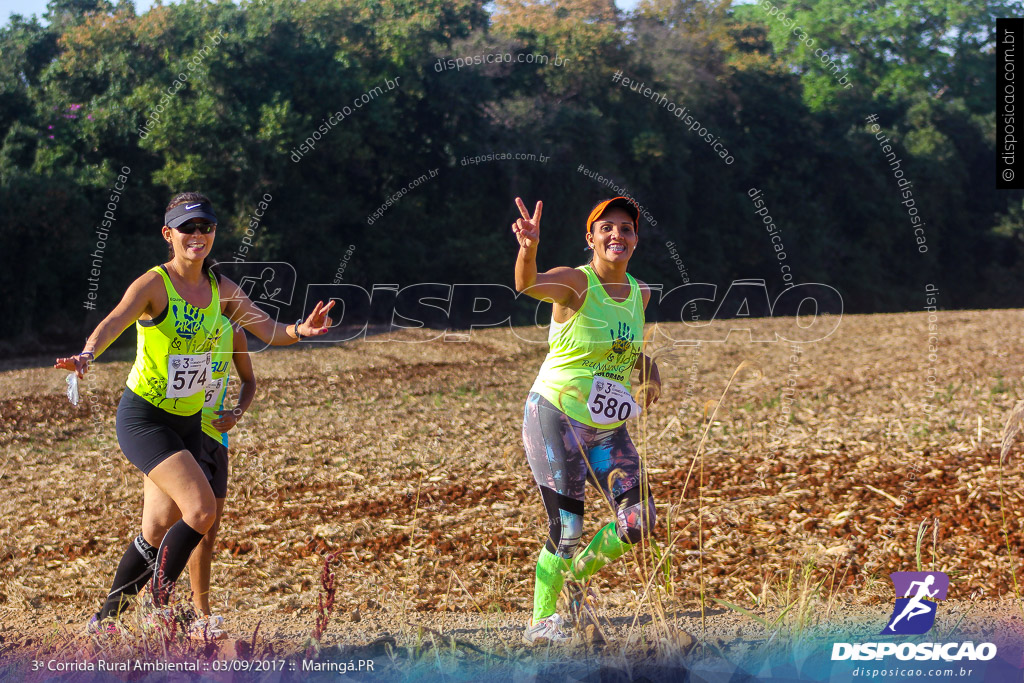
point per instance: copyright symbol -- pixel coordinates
(1007, 174)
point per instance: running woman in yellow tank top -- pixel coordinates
(176, 308)
(574, 424)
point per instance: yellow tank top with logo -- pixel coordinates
(217, 388)
(603, 339)
(173, 360)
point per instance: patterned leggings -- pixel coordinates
(559, 449)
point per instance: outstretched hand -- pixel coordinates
(76, 364)
(226, 419)
(318, 321)
(527, 228)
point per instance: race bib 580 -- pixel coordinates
(610, 402)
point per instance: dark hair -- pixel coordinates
(209, 264)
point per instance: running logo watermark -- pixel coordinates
(329, 122)
(913, 615)
(269, 285)
(621, 191)
(677, 111)
(153, 120)
(471, 306)
(102, 233)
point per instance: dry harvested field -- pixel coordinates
(402, 456)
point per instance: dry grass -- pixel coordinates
(406, 460)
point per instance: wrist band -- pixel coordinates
(92, 356)
(298, 335)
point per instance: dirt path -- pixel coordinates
(837, 464)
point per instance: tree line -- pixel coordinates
(859, 135)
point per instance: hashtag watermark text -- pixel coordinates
(102, 233)
(681, 113)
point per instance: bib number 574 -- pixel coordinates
(187, 374)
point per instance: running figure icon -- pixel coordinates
(915, 607)
(919, 589)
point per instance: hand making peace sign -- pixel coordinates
(527, 228)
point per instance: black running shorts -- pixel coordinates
(213, 458)
(148, 435)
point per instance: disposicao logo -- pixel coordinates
(914, 614)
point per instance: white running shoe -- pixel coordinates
(546, 630)
(207, 628)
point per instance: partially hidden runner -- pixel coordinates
(574, 425)
(213, 459)
(176, 308)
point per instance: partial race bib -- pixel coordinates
(610, 402)
(187, 374)
(213, 390)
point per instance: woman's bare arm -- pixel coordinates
(138, 299)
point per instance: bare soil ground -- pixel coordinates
(402, 454)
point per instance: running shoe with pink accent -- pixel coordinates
(105, 628)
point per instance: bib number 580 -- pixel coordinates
(610, 402)
(611, 408)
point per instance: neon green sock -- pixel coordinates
(551, 571)
(605, 547)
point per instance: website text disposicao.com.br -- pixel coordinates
(458, 63)
(901, 673)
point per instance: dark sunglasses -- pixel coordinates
(191, 228)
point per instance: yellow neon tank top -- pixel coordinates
(603, 338)
(217, 388)
(180, 339)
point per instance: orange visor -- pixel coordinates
(617, 202)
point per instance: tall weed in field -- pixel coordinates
(324, 605)
(652, 561)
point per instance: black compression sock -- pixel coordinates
(132, 573)
(177, 546)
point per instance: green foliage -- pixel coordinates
(237, 88)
